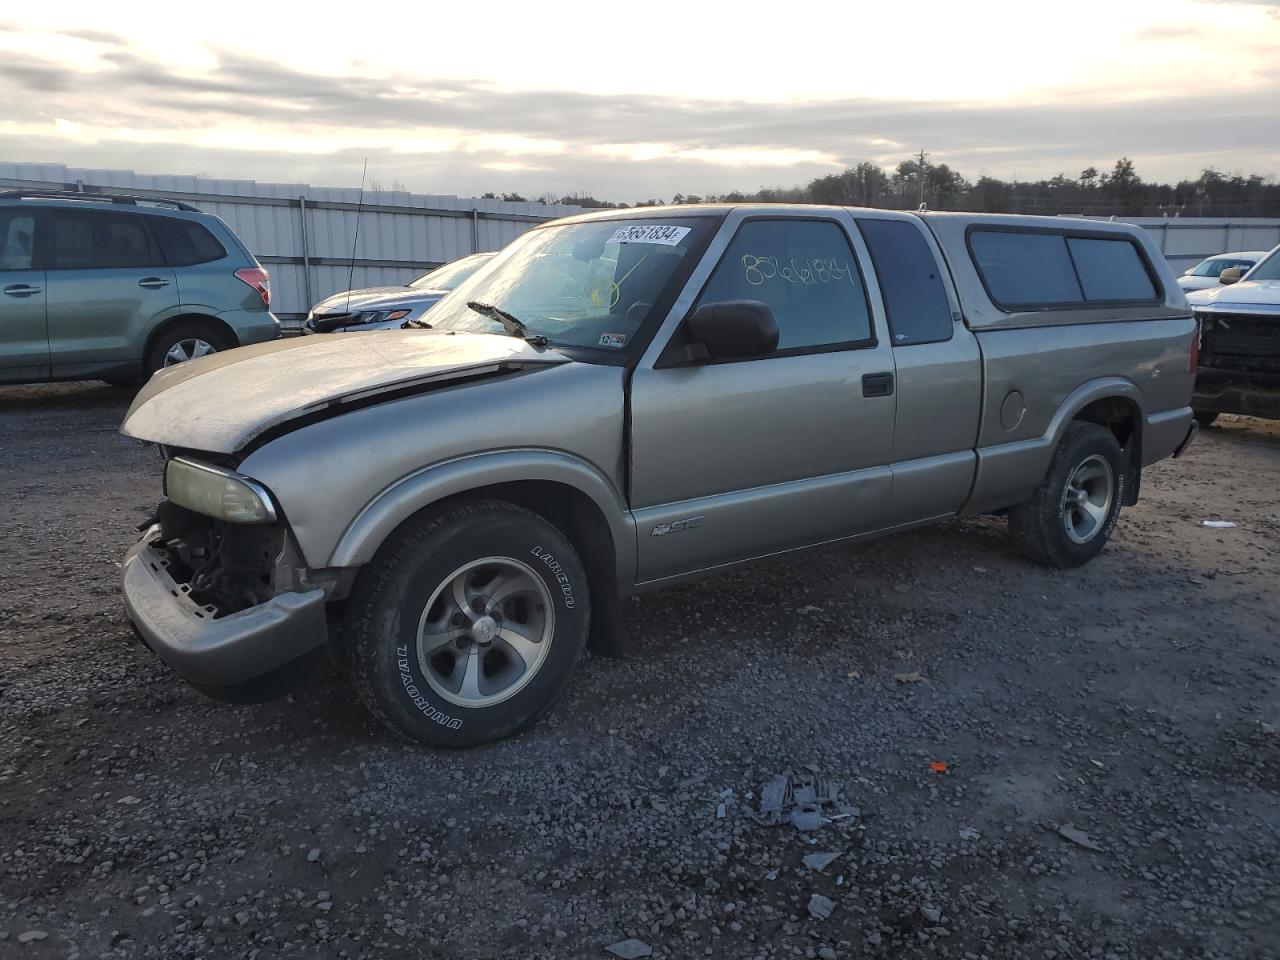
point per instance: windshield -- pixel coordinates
(1214, 267)
(451, 274)
(579, 284)
(1268, 269)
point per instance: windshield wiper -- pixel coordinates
(511, 323)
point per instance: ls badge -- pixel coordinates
(688, 523)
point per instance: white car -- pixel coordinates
(1205, 273)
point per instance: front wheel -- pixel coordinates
(468, 624)
(1071, 515)
(1205, 417)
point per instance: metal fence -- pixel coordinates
(304, 234)
(1185, 241)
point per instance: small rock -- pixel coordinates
(129, 801)
(826, 953)
(30, 936)
(820, 907)
(313, 855)
(968, 833)
(630, 949)
(930, 912)
(819, 861)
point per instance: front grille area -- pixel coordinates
(1245, 343)
(226, 566)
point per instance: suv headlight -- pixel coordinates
(217, 493)
(379, 316)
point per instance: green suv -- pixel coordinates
(98, 286)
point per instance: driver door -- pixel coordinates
(741, 459)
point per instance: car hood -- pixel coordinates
(1244, 293)
(377, 298)
(223, 402)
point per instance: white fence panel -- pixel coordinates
(305, 235)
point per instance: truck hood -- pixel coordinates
(222, 402)
(380, 298)
(1244, 293)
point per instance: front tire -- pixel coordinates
(468, 624)
(1070, 517)
(1205, 418)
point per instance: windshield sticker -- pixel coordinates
(613, 340)
(665, 234)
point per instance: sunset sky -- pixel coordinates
(634, 100)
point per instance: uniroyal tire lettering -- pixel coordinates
(419, 701)
(557, 571)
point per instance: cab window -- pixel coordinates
(805, 271)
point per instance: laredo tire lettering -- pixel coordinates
(557, 571)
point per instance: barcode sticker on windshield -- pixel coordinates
(666, 234)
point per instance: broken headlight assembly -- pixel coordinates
(217, 493)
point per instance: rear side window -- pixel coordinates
(185, 243)
(805, 271)
(1025, 268)
(914, 298)
(1110, 269)
(1041, 270)
(92, 240)
(17, 239)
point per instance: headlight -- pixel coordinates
(217, 493)
(380, 316)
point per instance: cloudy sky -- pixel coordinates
(633, 100)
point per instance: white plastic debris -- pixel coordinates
(1218, 524)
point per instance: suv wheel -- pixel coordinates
(1205, 418)
(1070, 517)
(467, 626)
(185, 341)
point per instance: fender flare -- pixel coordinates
(411, 493)
(1104, 388)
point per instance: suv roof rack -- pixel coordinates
(96, 197)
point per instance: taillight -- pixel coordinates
(1195, 349)
(259, 279)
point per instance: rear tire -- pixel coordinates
(1070, 517)
(1205, 418)
(183, 341)
(468, 624)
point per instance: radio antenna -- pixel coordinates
(356, 236)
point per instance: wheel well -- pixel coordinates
(201, 318)
(578, 517)
(1123, 418)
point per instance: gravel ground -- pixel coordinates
(1043, 765)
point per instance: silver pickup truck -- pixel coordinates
(630, 399)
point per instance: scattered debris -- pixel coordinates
(804, 800)
(938, 766)
(1079, 837)
(630, 949)
(820, 907)
(1218, 524)
(912, 677)
(968, 833)
(819, 861)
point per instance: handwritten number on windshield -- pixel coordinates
(759, 270)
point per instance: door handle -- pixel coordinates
(20, 290)
(877, 384)
(153, 283)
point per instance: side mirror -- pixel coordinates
(731, 330)
(1230, 275)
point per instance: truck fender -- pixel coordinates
(1008, 473)
(413, 492)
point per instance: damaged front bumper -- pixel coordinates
(216, 652)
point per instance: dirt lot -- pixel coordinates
(1134, 700)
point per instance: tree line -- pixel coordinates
(1120, 191)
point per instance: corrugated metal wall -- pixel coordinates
(303, 234)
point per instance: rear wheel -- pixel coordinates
(467, 626)
(185, 341)
(1071, 515)
(1205, 418)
